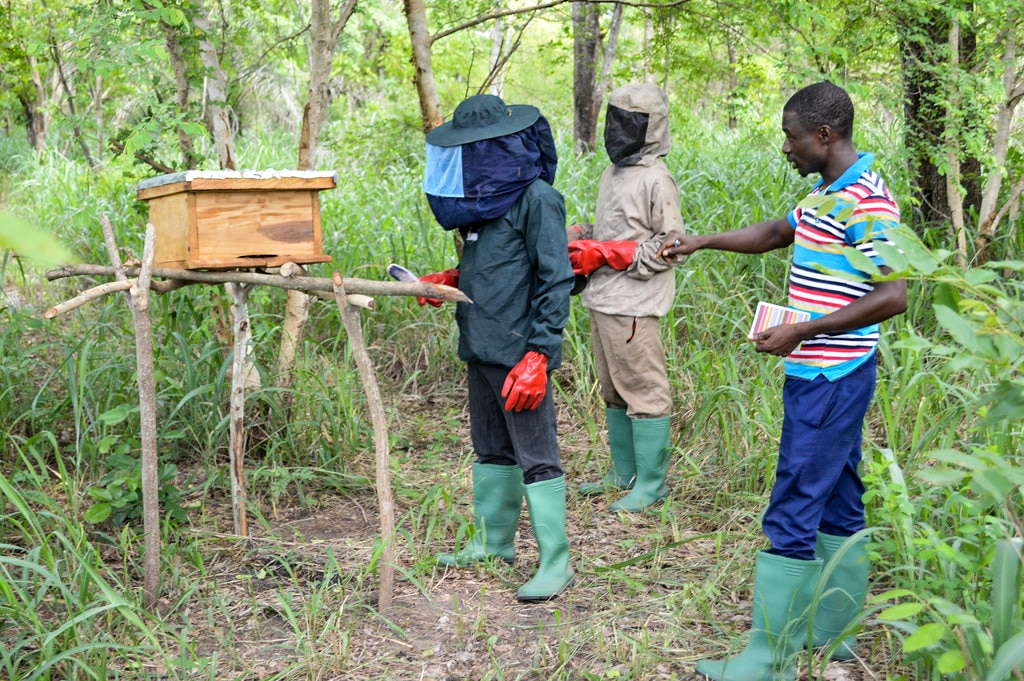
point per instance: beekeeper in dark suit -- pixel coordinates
(489, 174)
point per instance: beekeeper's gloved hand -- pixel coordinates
(448, 278)
(526, 383)
(586, 255)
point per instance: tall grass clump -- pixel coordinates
(730, 407)
(948, 506)
(62, 609)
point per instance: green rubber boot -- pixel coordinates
(842, 596)
(783, 590)
(622, 468)
(650, 449)
(546, 503)
(497, 503)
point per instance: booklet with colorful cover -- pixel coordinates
(768, 315)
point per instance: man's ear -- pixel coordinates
(825, 134)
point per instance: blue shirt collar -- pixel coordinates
(851, 175)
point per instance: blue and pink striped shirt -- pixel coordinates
(822, 279)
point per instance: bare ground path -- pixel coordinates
(296, 599)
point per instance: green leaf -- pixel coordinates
(978, 276)
(114, 416)
(1008, 657)
(959, 328)
(100, 493)
(892, 594)
(913, 342)
(947, 295)
(926, 635)
(901, 611)
(894, 257)
(1006, 402)
(951, 661)
(1017, 265)
(172, 16)
(106, 444)
(1006, 584)
(98, 512)
(993, 483)
(844, 213)
(910, 247)
(940, 477)
(861, 262)
(30, 241)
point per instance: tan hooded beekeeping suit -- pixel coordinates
(638, 200)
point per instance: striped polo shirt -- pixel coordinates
(822, 279)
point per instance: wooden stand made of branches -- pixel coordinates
(350, 295)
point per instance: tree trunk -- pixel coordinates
(586, 32)
(36, 108)
(990, 213)
(219, 114)
(648, 41)
(611, 46)
(240, 365)
(69, 102)
(925, 68)
(498, 56)
(923, 123)
(734, 84)
(954, 197)
(426, 88)
(591, 79)
(182, 89)
(325, 35)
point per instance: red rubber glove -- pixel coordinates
(448, 278)
(526, 383)
(586, 255)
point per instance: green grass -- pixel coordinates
(654, 591)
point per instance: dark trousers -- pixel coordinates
(817, 485)
(528, 439)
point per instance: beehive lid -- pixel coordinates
(236, 180)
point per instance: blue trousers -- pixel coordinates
(817, 485)
(528, 439)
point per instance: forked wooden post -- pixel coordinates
(239, 370)
(138, 301)
(382, 448)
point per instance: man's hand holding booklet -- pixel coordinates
(768, 315)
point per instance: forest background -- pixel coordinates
(96, 96)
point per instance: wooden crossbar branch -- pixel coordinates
(350, 294)
(175, 279)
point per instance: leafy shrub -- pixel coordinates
(956, 515)
(118, 497)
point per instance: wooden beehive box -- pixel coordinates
(236, 219)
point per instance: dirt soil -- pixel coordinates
(631, 622)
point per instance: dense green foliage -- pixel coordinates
(943, 443)
(944, 437)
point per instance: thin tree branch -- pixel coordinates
(500, 63)
(118, 147)
(102, 290)
(497, 14)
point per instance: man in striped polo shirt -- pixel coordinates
(816, 502)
